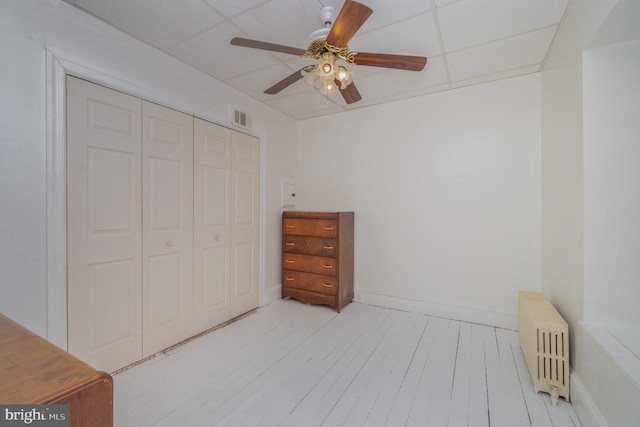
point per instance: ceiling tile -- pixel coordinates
(398, 96)
(287, 22)
(473, 22)
(440, 3)
(211, 53)
(386, 12)
(305, 103)
(160, 23)
(392, 82)
(231, 8)
(497, 76)
(417, 36)
(515, 52)
(254, 84)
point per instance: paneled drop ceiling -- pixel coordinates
(467, 42)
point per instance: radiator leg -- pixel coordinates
(554, 396)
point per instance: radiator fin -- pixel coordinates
(544, 338)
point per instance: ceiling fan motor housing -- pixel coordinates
(327, 16)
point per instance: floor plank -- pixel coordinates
(291, 364)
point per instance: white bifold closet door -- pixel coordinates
(212, 224)
(130, 226)
(163, 225)
(104, 212)
(226, 223)
(245, 223)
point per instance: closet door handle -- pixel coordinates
(169, 243)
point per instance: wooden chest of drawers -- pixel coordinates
(317, 257)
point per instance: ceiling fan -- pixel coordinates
(329, 44)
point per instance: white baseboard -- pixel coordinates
(466, 314)
(272, 295)
(583, 404)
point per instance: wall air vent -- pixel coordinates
(240, 118)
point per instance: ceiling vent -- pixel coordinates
(240, 118)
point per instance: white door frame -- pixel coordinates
(57, 67)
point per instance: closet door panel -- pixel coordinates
(212, 212)
(167, 206)
(104, 262)
(245, 223)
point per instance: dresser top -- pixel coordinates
(314, 215)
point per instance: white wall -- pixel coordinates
(612, 189)
(602, 393)
(27, 30)
(446, 194)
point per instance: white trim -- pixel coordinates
(583, 404)
(56, 202)
(273, 294)
(466, 314)
(262, 298)
(57, 69)
(621, 356)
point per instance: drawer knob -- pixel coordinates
(289, 244)
(328, 247)
(327, 285)
(289, 261)
(328, 228)
(288, 278)
(328, 266)
(290, 226)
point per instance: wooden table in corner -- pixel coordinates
(33, 371)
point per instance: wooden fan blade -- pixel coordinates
(400, 62)
(284, 83)
(349, 93)
(348, 22)
(257, 44)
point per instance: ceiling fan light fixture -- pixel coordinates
(344, 76)
(328, 87)
(311, 76)
(326, 65)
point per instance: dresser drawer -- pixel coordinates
(312, 264)
(309, 297)
(310, 227)
(310, 282)
(321, 246)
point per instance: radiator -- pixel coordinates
(544, 338)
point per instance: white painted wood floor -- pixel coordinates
(291, 364)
